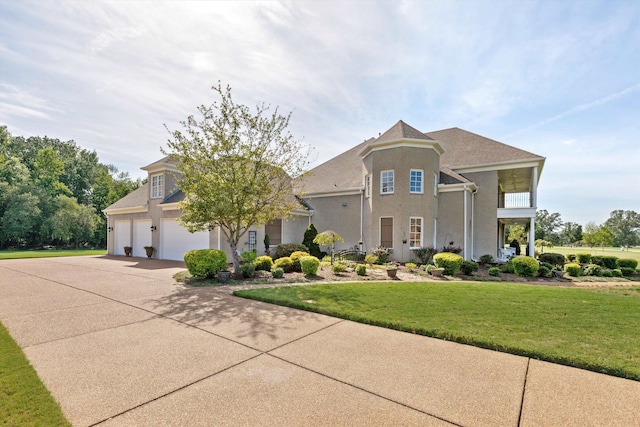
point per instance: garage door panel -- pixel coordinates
(141, 236)
(175, 240)
(122, 237)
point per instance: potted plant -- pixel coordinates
(392, 269)
(224, 276)
(149, 250)
(128, 250)
(437, 272)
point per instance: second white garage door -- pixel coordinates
(175, 240)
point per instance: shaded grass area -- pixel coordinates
(47, 253)
(577, 327)
(24, 400)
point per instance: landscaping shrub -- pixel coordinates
(525, 266)
(247, 270)
(411, 266)
(449, 261)
(263, 263)
(584, 258)
(546, 264)
(295, 259)
(609, 262)
(627, 272)
(248, 256)
(486, 259)
(607, 273)
(616, 272)
(371, 259)
(309, 265)
(285, 263)
(592, 270)
(596, 260)
(277, 273)
(552, 258)
(286, 249)
(425, 253)
(452, 249)
(310, 233)
(628, 263)
(361, 270)
(572, 269)
(507, 267)
(382, 253)
(468, 267)
(571, 257)
(205, 263)
(339, 267)
(544, 271)
(494, 271)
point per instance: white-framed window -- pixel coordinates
(386, 182)
(436, 177)
(157, 186)
(415, 232)
(367, 186)
(416, 181)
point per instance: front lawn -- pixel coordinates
(584, 328)
(24, 400)
(47, 253)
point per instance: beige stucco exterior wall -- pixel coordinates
(338, 213)
(485, 239)
(402, 204)
(450, 226)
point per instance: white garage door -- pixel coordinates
(122, 237)
(141, 236)
(175, 240)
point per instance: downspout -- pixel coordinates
(464, 228)
(361, 218)
(473, 221)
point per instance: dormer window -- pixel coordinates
(386, 182)
(157, 186)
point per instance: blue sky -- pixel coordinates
(558, 78)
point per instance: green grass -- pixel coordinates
(24, 400)
(577, 327)
(632, 253)
(47, 253)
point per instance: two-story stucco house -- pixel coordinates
(402, 190)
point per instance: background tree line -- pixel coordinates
(621, 229)
(53, 192)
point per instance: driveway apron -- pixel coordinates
(118, 342)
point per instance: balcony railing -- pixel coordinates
(515, 200)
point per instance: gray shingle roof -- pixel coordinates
(401, 130)
(137, 198)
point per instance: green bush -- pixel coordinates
(494, 271)
(584, 258)
(247, 270)
(361, 270)
(552, 258)
(592, 270)
(468, 267)
(339, 267)
(382, 253)
(572, 269)
(596, 260)
(546, 264)
(628, 263)
(371, 259)
(205, 263)
(449, 261)
(277, 273)
(486, 259)
(507, 267)
(544, 271)
(607, 273)
(286, 249)
(571, 257)
(310, 233)
(627, 272)
(525, 266)
(616, 272)
(425, 253)
(285, 263)
(309, 265)
(248, 256)
(411, 266)
(263, 263)
(295, 259)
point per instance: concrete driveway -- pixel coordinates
(117, 342)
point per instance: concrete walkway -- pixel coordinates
(117, 342)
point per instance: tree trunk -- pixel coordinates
(235, 257)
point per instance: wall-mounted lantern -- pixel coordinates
(153, 228)
(110, 229)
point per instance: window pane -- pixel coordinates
(415, 181)
(386, 182)
(415, 232)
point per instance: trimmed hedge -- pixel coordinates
(295, 258)
(286, 249)
(592, 270)
(285, 263)
(468, 267)
(205, 263)
(584, 257)
(609, 262)
(494, 271)
(449, 261)
(627, 272)
(628, 263)
(264, 263)
(525, 266)
(309, 265)
(552, 258)
(277, 273)
(361, 270)
(572, 269)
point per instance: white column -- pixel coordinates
(532, 236)
(464, 228)
(534, 188)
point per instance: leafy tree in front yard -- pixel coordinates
(235, 167)
(624, 227)
(547, 225)
(595, 235)
(328, 238)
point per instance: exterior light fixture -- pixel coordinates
(153, 228)
(110, 229)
